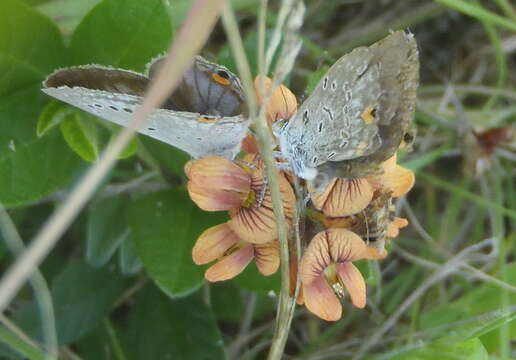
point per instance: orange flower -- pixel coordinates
(395, 178)
(232, 254)
(326, 270)
(282, 103)
(218, 184)
(343, 197)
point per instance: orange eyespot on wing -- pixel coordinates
(368, 115)
(221, 78)
(207, 120)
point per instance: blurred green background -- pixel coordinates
(122, 280)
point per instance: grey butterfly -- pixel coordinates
(206, 114)
(357, 115)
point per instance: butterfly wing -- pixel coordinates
(358, 112)
(193, 133)
(398, 57)
(337, 121)
(206, 88)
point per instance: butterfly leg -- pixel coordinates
(263, 191)
(278, 155)
(283, 166)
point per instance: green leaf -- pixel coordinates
(30, 168)
(165, 226)
(52, 115)
(171, 159)
(30, 47)
(81, 135)
(106, 229)
(122, 33)
(130, 149)
(251, 279)
(162, 328)
(82, 297)
(67, 13)
(483, 299)
(128, 258)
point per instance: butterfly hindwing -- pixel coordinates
(93, 90)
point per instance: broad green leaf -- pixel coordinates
(30, 48)
(122, 33)
(172, 160)
(162, 328)
(106, 229)
(128, 258)
(81, 135)
(82, 296)
(130, 149)
(165, 226)
(53, 114)
(67, 14)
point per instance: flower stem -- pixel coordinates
(286, 303)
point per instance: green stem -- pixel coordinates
(286, 304)
(115, 344)
(19, 345)
(479, 13)
(39, 285)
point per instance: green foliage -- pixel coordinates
(106, 230)
(30, 167)
(122, 279)
(165, 226)
(80, 135)
(177, 329)
(78, 309)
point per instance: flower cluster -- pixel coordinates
(349, 220)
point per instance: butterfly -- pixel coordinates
(205, 115)
(357, 115)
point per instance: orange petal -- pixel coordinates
(328, 247)
(214, 200)
(231, 265)
(354, 283)
(397, 179)
(267, 258)
(218, 173)
(394, 227)
(256, 224)
(282, 102)
(374, 253)
(213, 243)
(321, 300)
(300, 300)
(343, 197)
